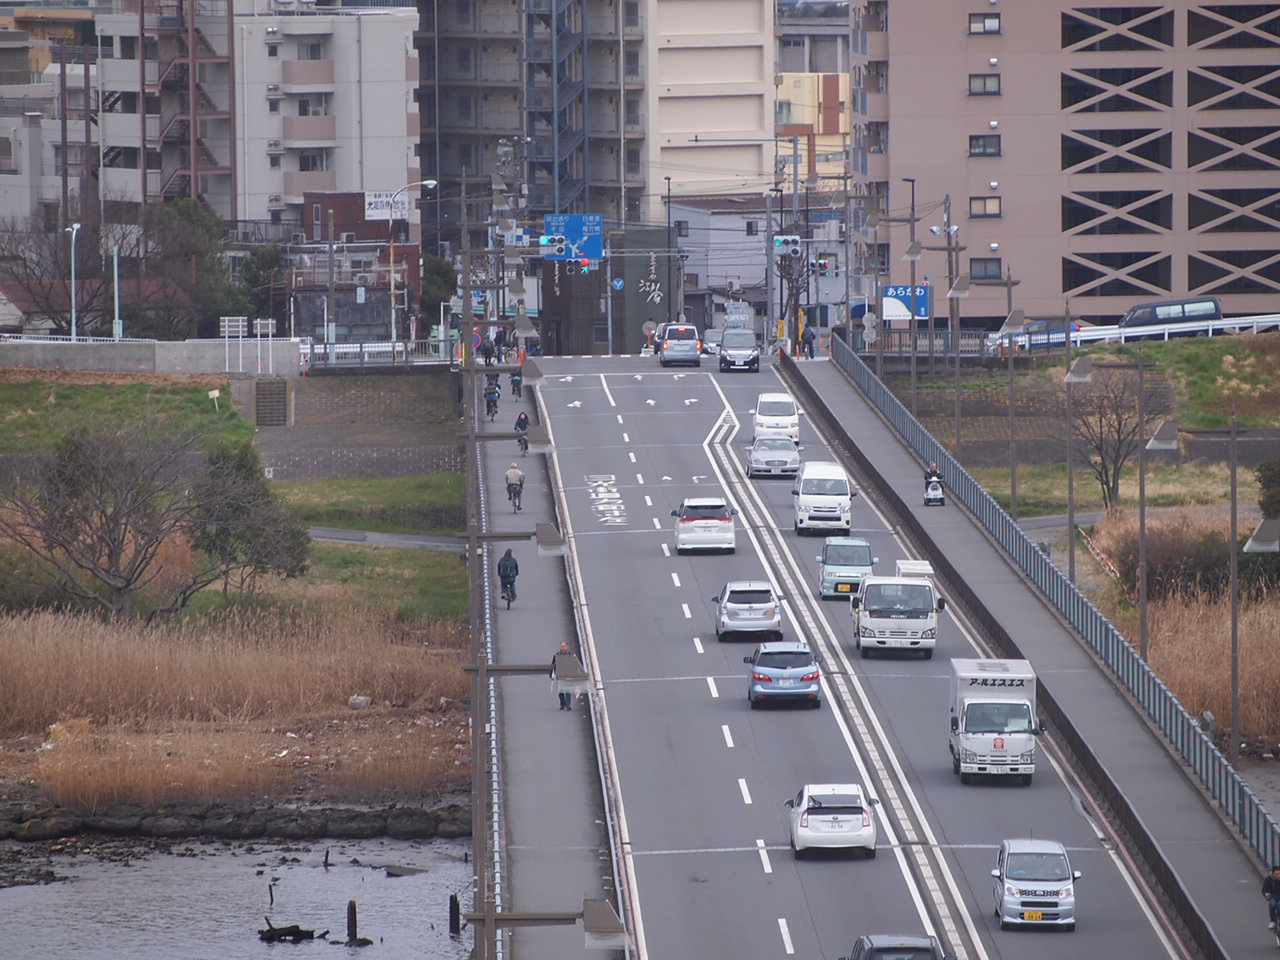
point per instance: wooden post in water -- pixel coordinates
(351, 921)
(455, 916)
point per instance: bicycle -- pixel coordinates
(522, 442)
(491, 408)
(517, 385)
(514, 492)
(508, 591)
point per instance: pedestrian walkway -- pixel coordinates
(556, 850)
(1219, 878)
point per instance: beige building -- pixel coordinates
(1098, 155)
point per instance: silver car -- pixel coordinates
(680, 344)
(783, 671)
(705, 523)
(1034, 884)
(773, 457)
(832, 816)
(748, 606)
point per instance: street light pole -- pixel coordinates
(74, 229)
(1081, 371)
(391, 245)
(1012, 325)
(671, 300)
(1142, 512)
(911, 324)
(1233, 753)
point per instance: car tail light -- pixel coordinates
(866, 818)
(761, 678)
(811, 677)
(688, 519)
(804, 819)
(725, 519)
(699, 344)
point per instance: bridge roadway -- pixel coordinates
(699, 887)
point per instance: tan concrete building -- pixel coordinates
(1099, 154)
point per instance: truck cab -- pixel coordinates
(993, 719)
(898, 612)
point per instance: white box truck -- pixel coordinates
(993, 718)
(898, 612)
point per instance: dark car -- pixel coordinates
(880, 946)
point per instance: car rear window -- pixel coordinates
(784, 660)
(776, 408)
(750, 596)
(703, 512)
(905, 953)
(681, 333)
(834, 808)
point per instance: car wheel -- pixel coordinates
(1069, 927)
(966, 778)
(755, 704)
(799, 854)
(955, 768)
(729, 549)
(928, 654)
(755, 368)
(865, 652)
(723, 368)
(697, 363)
(1003, 925)
(1026, 779)
(796, 524)
(871, 853)
(817, 703)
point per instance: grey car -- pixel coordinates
(784, 671)
(748, 606)
(880, 946)
(1034, 884)
(739, 350)
(773, 457)
(680, 344)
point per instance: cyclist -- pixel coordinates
(517, 382)
(522, 430)
(515, 484)
(1271, 891)
(492, 393)
(508, 570)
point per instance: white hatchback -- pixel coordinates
(705, 523)
(832, 816)
(775, 415)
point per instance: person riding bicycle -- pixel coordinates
(508, 570)
(931, 475)
(517, 382)
(492, 393)
(515, 483)
(1271, 891)
(522, 422)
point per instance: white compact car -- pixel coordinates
(832, 816)
(775, 415)
(705, 523)
(748, 606)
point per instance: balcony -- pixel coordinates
(298, 183)
(307, 73)
(310, 129)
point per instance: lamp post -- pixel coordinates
(391, 244)
(1081, 371)
(1013, 324)
(671, 300)
(911, 326)
(74, 229)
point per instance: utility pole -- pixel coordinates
(911, 223)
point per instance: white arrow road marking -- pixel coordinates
(768, 868)
(638, 376)
(711, 685)
(651, 402)
(746, 794)
(699, 477)
(728, 737)
(677, 376)
(691, 400)
(575, 403)
(666, 478)
(566, 379)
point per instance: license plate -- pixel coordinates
(786, 683)
(844, 588)
(836, 824)
(1032, 915)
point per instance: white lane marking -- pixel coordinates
(711, 685)
(605, 384)
(619, 418)
(632, 456)
(786, 936)
(640, 479)
(728, 738)
(768, 868)
(648, 500)
(656, 524)
(688, 614)
(625, 437)
(675, 578)
(666, 550)
(746, 794)
(697, 644)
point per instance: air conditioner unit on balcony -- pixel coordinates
(348, 238)
(273, 198)
(273, 88)
(273, 144)
(272, 31)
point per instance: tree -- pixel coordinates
(186, 247)
(1268, 474)
(1106, 422)
(262, 279)
(106, 501)
(439, 285)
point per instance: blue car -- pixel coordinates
(843, 564)
(784, 671)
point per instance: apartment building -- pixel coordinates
(618, 103)
(1096, 154)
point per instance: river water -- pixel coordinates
(208, 901)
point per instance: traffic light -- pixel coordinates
(554, 245)
(824, 266)
(584, 265)
(787, 246)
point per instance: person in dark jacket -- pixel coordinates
(508, 570)
(932, 474)
(806, 341)
(1271, 891)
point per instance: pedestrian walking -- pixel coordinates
(563, 689)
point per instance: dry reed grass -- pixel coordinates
(246, 705)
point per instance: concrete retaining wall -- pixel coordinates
(257, 357)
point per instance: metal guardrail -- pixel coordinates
(403, 353)
(1237, 800)
(1163, 331)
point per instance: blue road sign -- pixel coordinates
(618, 283)
(584, 233)
(898, 300)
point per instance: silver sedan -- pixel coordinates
(773, 457)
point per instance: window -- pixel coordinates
(984, 206)
(753, 228)
(128, 48)
(462, 57)
(984, 84)
(985, 268)
(631, 60)
(273, 106)
(631, 112)
(313, 161)
(631, 13)
(633, 161)
(274, 160)
(273, 49)
(782, 112)
(310, 50)
(984, 145)
(984, 23)
(682, 228)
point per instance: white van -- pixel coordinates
(823, 497)
(775, 415)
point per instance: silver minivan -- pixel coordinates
(680, 344)
(1034, 884)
